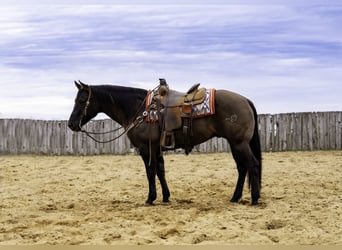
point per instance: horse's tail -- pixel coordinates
(255, 143)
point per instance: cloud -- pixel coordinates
(282, 56)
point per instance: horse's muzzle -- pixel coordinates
(74, 127)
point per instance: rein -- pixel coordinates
(137, 121)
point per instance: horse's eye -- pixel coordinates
(81, 99)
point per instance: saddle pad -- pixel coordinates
(206, 108)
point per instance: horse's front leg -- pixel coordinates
(161, 177)
(151, 170)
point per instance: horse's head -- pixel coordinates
(85, 107)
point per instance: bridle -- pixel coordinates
(84, 112)
(136, 121)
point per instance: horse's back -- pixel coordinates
(230, 98)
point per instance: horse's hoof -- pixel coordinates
(149, 203)
(234, 200)
(255, 203)
(166, 203)
(166, 200)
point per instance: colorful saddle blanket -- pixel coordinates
(205, 108)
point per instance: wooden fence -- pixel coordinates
(301, 131)
(279, 132)
(54, 137)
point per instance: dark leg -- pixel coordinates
(161, 176)
(241, 179)
(151, 176)
(254, 182)
(246, 161)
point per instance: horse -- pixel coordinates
(235, 119)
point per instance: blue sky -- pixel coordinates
(285, 57)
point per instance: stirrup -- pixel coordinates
(167, 140)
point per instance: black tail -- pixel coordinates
(255, 142)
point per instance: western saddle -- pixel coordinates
(176, 112)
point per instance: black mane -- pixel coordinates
(129, 99)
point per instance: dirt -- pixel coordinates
(100, 200)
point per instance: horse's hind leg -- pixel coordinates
(161, 177)
(246, 162)
(242, 171)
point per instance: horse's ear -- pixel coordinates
(83, 85)
(79, 86)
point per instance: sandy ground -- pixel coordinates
(100, 200)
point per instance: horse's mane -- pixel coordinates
(128, 98)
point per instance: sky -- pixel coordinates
(284, 56)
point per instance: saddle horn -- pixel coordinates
(162, 82)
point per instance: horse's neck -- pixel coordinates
(115, 113)
(119, 106)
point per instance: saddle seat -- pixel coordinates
(177, 110)
(172, 98)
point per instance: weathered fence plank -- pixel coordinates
(263, 131)
(338, 126)
(307, 131)
(278, 132)
(276, 126)
(268, 133)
